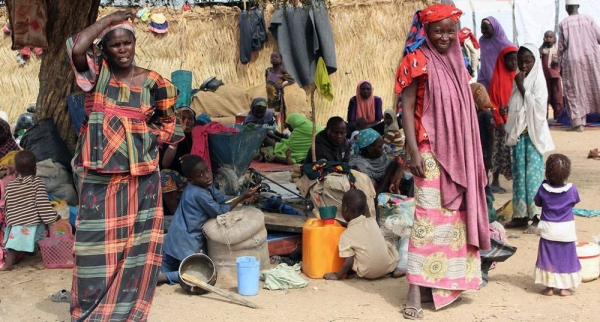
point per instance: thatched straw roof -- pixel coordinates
(369, 36)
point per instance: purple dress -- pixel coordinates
(557, 262)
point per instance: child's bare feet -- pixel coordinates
(288, 157)
(564, 292)
(531, 228)
(162, 279)
(331, 276)
(548, 291)
(9, 261)
(6, 268)
(496, 188)
(398, 273)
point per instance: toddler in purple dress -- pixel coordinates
(557, 264)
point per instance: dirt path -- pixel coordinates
(510, 294)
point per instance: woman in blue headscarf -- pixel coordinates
(369, 159)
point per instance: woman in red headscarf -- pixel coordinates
(442, 135)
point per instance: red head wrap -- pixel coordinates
(439, 12)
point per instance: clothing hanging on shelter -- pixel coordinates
(253, 33)
(304, 35)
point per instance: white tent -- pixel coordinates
(524, 20)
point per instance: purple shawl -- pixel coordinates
(490, 49)
(449, 117)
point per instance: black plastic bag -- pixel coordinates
(43, 140)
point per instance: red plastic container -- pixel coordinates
(57, 251)
(284, 245)
(240, 118)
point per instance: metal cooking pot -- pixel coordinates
(200, 266)
(211, 84)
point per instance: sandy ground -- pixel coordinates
(510, 294)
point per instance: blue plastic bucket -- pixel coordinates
(248, 268)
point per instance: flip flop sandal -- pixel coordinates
(411, 312)
(61, 296)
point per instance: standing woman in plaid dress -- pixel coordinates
(118, 243)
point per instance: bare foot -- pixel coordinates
(9, 260)
(517, 223)
(288, 157)
(531, 228)
(331, 276)
(411, 312)
(162, 279)
(6, 268)
(548, 291)
(579, 128)
(496, 188)
(398, 273)
(564, 292)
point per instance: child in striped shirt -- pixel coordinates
(27, 209)
(393, 136)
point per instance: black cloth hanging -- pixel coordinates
(253, 32)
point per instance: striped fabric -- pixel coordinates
(124, 124)
(26, 202)
(118, 243)
(118, 247)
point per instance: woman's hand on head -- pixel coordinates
(121, 15)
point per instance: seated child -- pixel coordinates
(557, 263)
(366, 251)
(361, 124)
(27, 209)
(394, 136)
(260, 115)
(199, 202)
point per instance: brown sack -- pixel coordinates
(235, 226)
(227, 100)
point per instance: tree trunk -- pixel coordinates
(57, 80)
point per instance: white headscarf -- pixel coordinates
(530, 111)
(394, 126)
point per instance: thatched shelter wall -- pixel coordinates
(369, 36)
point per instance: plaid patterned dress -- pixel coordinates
(118, 243)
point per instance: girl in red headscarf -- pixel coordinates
(442, 137)
(501, 87)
